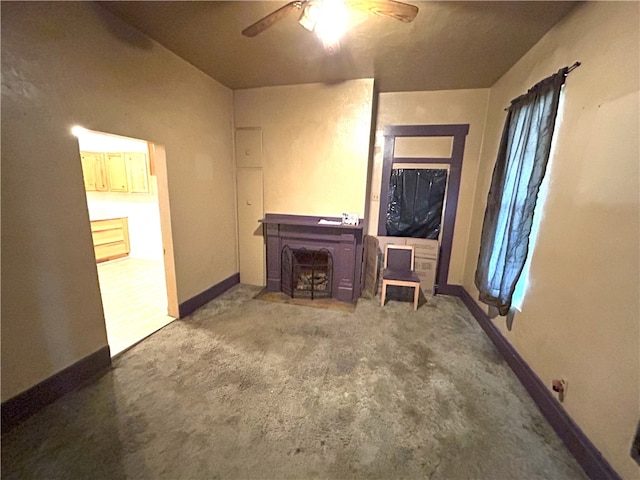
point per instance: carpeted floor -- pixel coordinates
(324, 303)
(245, 388)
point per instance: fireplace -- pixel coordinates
(337, 250)
(306, 273)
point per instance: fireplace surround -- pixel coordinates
(342, 242)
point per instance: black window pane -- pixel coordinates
(416, 198)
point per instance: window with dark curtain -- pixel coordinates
(416, 198)
(520, 167)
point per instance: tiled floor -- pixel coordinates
(134, 298)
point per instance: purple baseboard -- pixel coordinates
(189, 306)
(454, 290)
(578, 444)
(48, 391)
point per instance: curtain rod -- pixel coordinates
(573, 67)
(569, 70)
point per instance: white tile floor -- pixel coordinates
(134, 299)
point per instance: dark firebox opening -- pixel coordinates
(306, 273)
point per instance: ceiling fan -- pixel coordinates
(311, 9)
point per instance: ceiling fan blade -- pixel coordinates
(264, 23)
(386, 8)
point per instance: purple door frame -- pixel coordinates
(459, 133)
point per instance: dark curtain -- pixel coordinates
(517, 175)
(416, 197)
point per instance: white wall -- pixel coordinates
(580, 317)
(143, 218)
(73, 63)
(89, 141)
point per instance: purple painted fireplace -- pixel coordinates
(343, 242)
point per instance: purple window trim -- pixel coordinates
(459, 133)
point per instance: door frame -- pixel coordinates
(158, 168)
(459, 133)
(160, 165)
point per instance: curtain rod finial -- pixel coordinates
(573, 67)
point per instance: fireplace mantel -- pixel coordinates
(302, 231)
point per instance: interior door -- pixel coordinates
(250, 238)
(442, 145)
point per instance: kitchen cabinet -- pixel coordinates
(137, 167)
(122, 172)
(117, 172)
(110, 238)
(94, 172)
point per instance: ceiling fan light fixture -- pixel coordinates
(335, 14)
(309, 17)
(332, 22)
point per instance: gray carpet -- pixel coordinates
(245, 388)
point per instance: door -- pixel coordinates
(137, 172)
(250, 238)
(88, 171)
(445, 144)
(117, 171)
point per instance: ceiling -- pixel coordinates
(450, 44)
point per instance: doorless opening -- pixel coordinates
(127, 200)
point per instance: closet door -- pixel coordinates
(250, 238)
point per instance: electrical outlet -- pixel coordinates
(375, 197)
(560, 386)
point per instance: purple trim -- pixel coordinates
(387, 166)
(455, 174)
(459, 133)
(189, 306)
(578, 444)
(344, 242)
(446, 161)
(307, 221)
(445, 130)
(51, 389)
(454, 290)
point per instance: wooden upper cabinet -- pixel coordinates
(100, 168)
(137, 172)
(94, 172)
(117, 172)
(88, 171)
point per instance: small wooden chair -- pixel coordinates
(398, 270)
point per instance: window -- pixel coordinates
(416, 200)
(520, 168)
(523, 282)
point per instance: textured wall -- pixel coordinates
(428, 108)
(315, 145)
(580, 316)
(68, 63)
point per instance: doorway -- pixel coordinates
(125, 183)
(446, 146)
